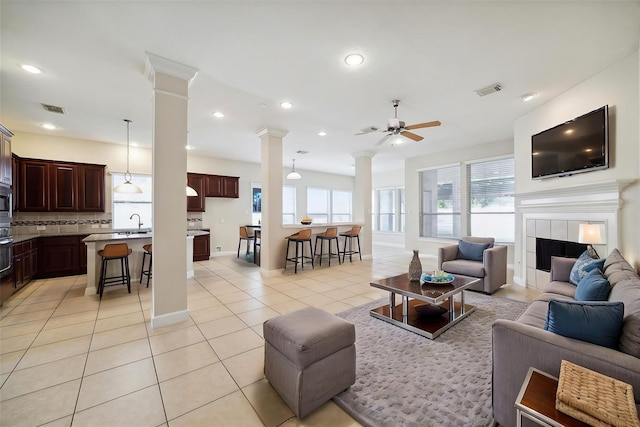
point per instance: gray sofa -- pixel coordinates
(491, 270)
(523, 343)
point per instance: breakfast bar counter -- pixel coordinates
(135, 241)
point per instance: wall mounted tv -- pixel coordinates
(579, 145)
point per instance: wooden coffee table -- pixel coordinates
(443, 313)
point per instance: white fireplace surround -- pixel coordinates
(556, 214)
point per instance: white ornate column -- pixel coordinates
(271, 182)
(170, 101)
(362, 199)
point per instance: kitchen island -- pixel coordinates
(135, 241)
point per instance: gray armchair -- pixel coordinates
(488, 265)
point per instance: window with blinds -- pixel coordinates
(440, 202)
(491, 204)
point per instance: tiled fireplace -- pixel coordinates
(557, 213)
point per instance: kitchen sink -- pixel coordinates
(126, 233)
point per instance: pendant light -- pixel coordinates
(293, 174)
(127, 186)
(191, 192)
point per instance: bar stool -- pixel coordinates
(244, 235)
(330, 235)
(298, 239)
(114, 251)
(148, 250)
(350, 235)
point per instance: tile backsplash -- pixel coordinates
(74, 222)
(59, 222)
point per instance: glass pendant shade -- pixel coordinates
(127, 186)
(191, 192)
(293, 174)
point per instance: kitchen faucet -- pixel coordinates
(139, 220)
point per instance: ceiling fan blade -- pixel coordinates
(423, 125)
(412, 135)
(384, 138)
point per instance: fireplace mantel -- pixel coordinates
(596, 197)
(556, 214)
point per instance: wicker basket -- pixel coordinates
(596, 399)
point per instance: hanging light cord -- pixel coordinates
(127, 175)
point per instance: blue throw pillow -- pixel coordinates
(583, 265)
(595, 322)
(472, 251)
(593, 287)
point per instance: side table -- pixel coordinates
(536, 401)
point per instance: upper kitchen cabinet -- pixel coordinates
(50, 186)
(91, 188)
(222, 186)
(5, 156)
(34, 185)
(64, 187)
(197, 182)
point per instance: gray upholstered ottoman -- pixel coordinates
(310, 356)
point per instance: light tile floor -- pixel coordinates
(69, 359)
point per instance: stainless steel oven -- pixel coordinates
(5, 207)
(6, 264)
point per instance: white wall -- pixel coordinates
(222, 216)
(617, 86)
(429, 246)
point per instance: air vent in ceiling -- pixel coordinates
(53, 109)
(496, 87)
(302, 152)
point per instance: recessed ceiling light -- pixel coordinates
(218, 114)
(189, 147)
(568, 131)
(354, 59)
(528, 96)
(48, 126)
(286, 105)
(322, 133)
(31, 69)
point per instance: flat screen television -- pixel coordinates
(579, 145)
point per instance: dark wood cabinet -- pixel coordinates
(49, 186)
(63, 190)
(34, 185)
(197, 182)
(91, 192)
(25, 262)
(201, 247)
(222, 186)
(15, 160)
(6, 176)
(230, 187)
(62, 256)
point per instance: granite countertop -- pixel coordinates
(133, 235)
(105, 235)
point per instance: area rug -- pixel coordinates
(404, 379)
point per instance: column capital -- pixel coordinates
(358, 154)
(158, 64)
(279, 133)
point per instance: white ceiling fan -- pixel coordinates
(396, 126)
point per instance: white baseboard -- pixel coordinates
(225, 253)
(169, 318)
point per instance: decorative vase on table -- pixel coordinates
(415, 267)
